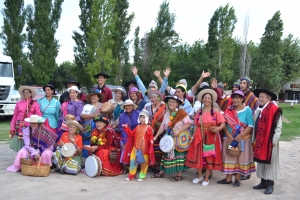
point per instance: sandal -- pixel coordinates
(176, 178)
(158, 175)
(125, 169)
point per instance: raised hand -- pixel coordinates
(213, 83)
(167, 71)
(205, 74)
(157, 73)
(134, 70)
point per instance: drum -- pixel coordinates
(93, 166)
(166, 143)
(68, 150)
(106, 108)
(88, 147)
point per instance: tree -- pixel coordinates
(81, 57)
(120, 34)
(291, 59)
(62, 73)
(136, 48)
(14, 16)
(267, 72)
(43, 48)
(220, 43)
(245, 57)
(100, 37)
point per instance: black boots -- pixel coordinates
(270, 187)
(245, 177)
(261, 185)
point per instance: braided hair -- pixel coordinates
(212, 111)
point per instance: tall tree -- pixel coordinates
(137, 48)
(14, 16)
(291, 59)
(43, 21)
(245, 58)
(267, 72)
(81, 57)
(100, 37)
(220, 43)
(120, 34)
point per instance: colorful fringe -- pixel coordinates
(172, 165)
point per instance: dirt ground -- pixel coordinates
(58, 186)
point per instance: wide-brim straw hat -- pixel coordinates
(35, 119)
(74, 122)
(22, 88)
(267, 91)
(129, 102)
(207, 91)
(120, 90)
(74, 88)
(106, 107)
(100, 95)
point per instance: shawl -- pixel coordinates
(232, 119)
(266, 125)
(43, 138)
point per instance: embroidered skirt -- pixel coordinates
(175, 164)
(70, 165)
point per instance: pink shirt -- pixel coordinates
(21, 109)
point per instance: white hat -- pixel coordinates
(120, 90)
(153, 83)
(32, 91)
(74, 88)
(183, 81)
(203, 84)
(129, 102)
(146, 114)
(34, 119)
(74, 122)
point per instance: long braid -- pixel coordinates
(212, 109)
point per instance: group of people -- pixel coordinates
(208, 130)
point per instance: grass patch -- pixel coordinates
(291, 127)
(4, 129)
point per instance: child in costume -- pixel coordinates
(143, 144)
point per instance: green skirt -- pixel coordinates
(16, 144)
(175, 164)
(70, 166)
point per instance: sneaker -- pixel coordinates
(127, 179)
(197, 180)
(140, 180)
(236, 184)
(204, 183)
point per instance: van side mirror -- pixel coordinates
(19, 70)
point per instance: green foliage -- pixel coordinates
(220, 46)
(290, 122)
(268, 61)
(291, 59)
(14, 16)
(43, 21)
(80, 50)
(121, 44)
(137, 59)
(62, 73)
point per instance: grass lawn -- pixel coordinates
(290, 130)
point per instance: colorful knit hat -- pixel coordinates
(221, 85)
(247, 79)
(236, 83)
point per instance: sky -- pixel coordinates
(192, 19)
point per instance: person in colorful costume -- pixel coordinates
(89, 112)
(101, 87)
(72, 164)
(209, 120)
(175, 121)
(223, 99)
(238, 135)
(24, 109)
(117, 110)
(38, 143)
(157, 110)
(103, 141)
(266, 134)
(130, 117)
(143, 141)
(49, 106)
(134, 95)
(66, 97)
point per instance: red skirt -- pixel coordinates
(194, 156)
(213, 162)
(108, 168)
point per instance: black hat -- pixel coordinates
(267, 91)
(131, 81)
(173, 97)
(50, 86)
(73, 81)
(102, 74)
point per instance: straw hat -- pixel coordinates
(207, 91)
(35, 119)
(151, 92)
(120, 90)
(106, 107)
(74, 122)
(100, 95)
(22, 88)
(129, 102)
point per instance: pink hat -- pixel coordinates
(238, 92)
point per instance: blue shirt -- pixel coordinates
(50, 110)
(131, 120)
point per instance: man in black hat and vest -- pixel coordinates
(266, 134)
(65, 96)
(101, 77)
